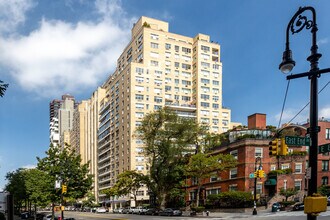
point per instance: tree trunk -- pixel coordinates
(197, 196)
(35, 211)
(162, 200)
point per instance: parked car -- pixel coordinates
(170, 212)
(119, 210)
(48, 217)
(131, 210)
(101, 210)
(276, 207)
(25, 215)
(152, 211)
(298, 206)
(125, 210)
(143, 211)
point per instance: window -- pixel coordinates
(298, 168)
(215, 106)
(205, 48)
(205, 104)
(167, 46)
(176, 64)
(213, 191)
(176, 81)
(192, 195)
(216, 66)
(186, 82)
(138, 97)
(215, 82)
(325, 165)
(154, 55)
(258, 152)
(154, 36)
(215, 91)
(233, 173)
(325, 180)
(272, 167)
(205, 73)
(139, 106)
(167, 88)
(204, 112)
(232, 187)
(215, 98)
(186, 66)
(285, 166)
(327, 133)
(215, 75)
(186, 98)
(213, 178)
(139, 167)
(139, 88)
(205, 65)
(139, 114)
(234, 153)
(205, 97)
(153, 63)
(205, 81)
(138, 70)
(140, 193)
(297, 184)
(205, 56)
(139, 79)
(158, 99)
(154, 45)
(176, 48)
(186, 50)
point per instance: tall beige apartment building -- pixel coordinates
(83, 135)
(156, 69)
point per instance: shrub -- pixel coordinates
(198, 209)
(232, 199)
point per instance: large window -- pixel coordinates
(327, 133)
(297, 184)
(213, 191)
(325, 180)
(298, 168)
(325, 165)
(232, 187)
(233, 173)
(234, 153)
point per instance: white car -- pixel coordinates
(101, 210)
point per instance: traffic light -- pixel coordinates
(284, 148)
(261, 173)
(64, 189)
(273, 147)
(256, 174)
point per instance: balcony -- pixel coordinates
(181, 107)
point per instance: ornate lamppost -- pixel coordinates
(297, 23)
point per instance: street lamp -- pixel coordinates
(297, 23)
(256, 169)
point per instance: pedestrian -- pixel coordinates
(207, 213)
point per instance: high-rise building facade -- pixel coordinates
(156, 69)
(83, 135)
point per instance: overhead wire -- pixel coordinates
(284, 101)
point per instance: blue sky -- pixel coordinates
(48, 48)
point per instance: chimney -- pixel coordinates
(257, 121)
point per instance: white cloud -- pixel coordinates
(63, 57)
(323, 41)
(29, 166)
(12, 13)
(288, 115)
(325, 112)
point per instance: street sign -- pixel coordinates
(324, 148)
(251, 175)
(308, 173)
(297, 141)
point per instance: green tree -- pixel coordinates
(63, 164)
(16, 186)
(37, 187)
(128, 183)
(167, 139)
(111, 193)
(324, 190)
(202, 166)
(287, 193)
(3, 88)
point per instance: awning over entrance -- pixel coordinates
(270, 182)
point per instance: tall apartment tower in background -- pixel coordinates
(156, 69)
(60, 116)
(83, 135)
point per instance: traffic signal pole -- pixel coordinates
(256, 176)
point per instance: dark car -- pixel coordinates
(298, 206)
(125, 210)
(152, 211)
(171, 212)
(328, 200)
(276, 207)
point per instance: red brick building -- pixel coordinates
(248, 144)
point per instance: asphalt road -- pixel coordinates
(297, 215)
